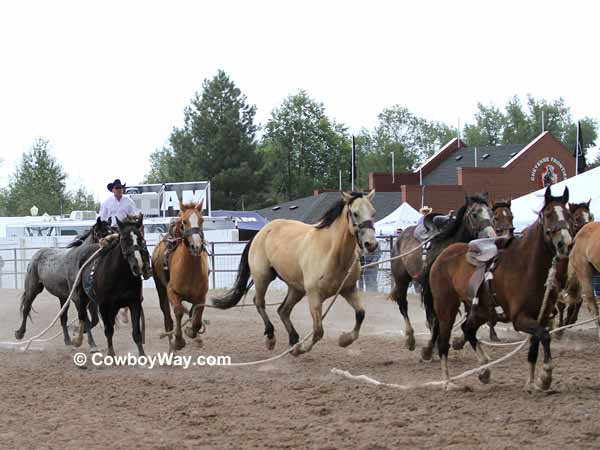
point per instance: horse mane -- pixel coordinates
(191, 205)
(335, 211)
(575, 206)
(455, 225)
(79, 239)
(500, 204)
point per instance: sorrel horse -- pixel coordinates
(114, 280)
(312, 260)
(580, 216)
(584, 259)
(186, 274)
(56, 269)
(473, 220)
(518, 285)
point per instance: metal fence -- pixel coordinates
(224, 260)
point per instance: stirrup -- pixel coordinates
(500, 313)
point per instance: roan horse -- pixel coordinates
(584, 259)
(473, 220)
(312, 260)
(56, 269)
(186, 274)
(518, 287)
(114, 280)
(580, 216)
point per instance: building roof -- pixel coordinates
(487, 156)
(311, 209)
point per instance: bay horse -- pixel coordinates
(312, 260)
(186, 277)
(473, 220)
(584, 259)
(114, 280)
(55, 269)
(580, 216)
(518, 284)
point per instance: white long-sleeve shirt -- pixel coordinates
(112, 209)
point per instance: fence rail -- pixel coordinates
(224, 261)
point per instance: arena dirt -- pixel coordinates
(46, 402)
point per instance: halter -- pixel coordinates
(190, 232)
(483, 224)
(506, 227)
(130, 250)
(560, 225)
(365, 224)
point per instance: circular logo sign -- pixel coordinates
(548, 171)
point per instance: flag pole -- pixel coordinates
(353, 158)
(577, 151)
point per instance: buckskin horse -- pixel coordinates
(580, 216)
(113, 280)
(56, 269)
(584, 260)
(180, 271)
(312, 260)
(473, 220)
(518, 287)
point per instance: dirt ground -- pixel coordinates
(46, 402)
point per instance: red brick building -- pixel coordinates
(503, 171)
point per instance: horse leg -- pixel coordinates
(538, 334)
(176, 300)
(260, 287)
(316, 305)
(493, 335)
(427, 351)
(197, 311)
(285, 309)
(63, 321)
(32, 288)
(399, 295)
(470, 332)
(572, 313)
(81, 304)
(136, 333)
(561, 320)
(587, 293)
(93, 309)
(354, 300)
(165, 307)
(443, 343)
(109, 313)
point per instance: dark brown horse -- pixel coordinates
(580, 216)
(473, 220)
(518, 285)
(186, 277)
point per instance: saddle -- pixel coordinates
(432, 224)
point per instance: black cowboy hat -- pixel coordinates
(116, 183)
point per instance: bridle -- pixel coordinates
(508, 228)
(575, 227)
(186, 234)
(357, 226)
(131, 249)
(550, 230)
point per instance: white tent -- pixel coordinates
(582, 188)
(402, 217)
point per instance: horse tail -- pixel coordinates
(427, 299)
(29, 291)
(241, 286)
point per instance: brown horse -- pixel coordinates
(473, 220)
(584, 259)
(580, 216)
(312, 260)
(518, 285)
(186, 274)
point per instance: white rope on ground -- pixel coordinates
(37, 336)
(281, 355)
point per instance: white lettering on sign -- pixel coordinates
(549, 164)
(171, 200)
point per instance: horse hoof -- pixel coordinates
(450, 386)
(426, 353)
(544, 381)
(94, 349)
(178, 344)
(494, 337)
(458, 343)
(270, 342)
(189, 332)
(77, 342)
(19, 334)
(485, 376)
(410, 343)
(558, 335)
(199, 343)
(345, 339)
(68, 342)
(296, 351)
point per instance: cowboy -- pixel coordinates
(425, 210)
(117, 206)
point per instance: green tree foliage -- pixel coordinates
(39, 180)
(304, 149)
(79, 200)
(216, 143)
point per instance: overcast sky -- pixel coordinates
(107, 81)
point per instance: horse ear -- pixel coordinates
(547, 195)
(509, 200)
(181, 206)
(140, 218)
(199, 206)
(119, 223)
(346, 197)
(371, 195)
(588, 203)
(565, 196)
(98, 221)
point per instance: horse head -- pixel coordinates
(555, 219)
(502, 218)
(101, 229)
(190, 225)
(361, 213)
(477, 216)
(133, 245)
(580, 215)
